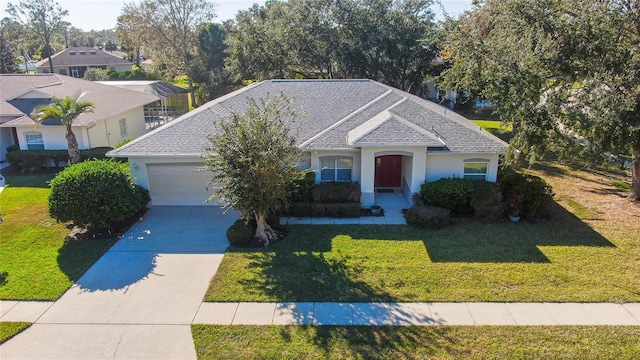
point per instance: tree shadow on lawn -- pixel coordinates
(506, 242)
(377, 342)
(31, 180)
(324, 278)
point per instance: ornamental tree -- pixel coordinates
(66, 111)
(254, 156)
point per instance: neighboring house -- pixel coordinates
(441, 95)
(118, 115)
(174, 101)
(352, 130)
(76, 60)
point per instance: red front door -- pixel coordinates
(388, 171)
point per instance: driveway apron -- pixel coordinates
(139, 299)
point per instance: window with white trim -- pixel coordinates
(123, 127)
(335, 168)
(34, 141)
(476, 170)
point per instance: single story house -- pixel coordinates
(174, 101)
(75, 61)
(118, 115)
(353, 130)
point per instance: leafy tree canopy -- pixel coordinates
(564, 71)
(254, 156)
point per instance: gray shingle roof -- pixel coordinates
(333, 108)
(109, 100)
(83, 56)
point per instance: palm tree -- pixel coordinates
(66, 111)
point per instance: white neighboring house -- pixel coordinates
(118, 115)
(353, 130)
(174, 101)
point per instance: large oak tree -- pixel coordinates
(565, 72)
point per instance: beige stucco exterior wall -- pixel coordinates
(441, 165)
(103, 133)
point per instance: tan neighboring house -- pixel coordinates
(119, 113)
(76, 61)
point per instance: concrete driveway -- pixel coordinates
(139, 299)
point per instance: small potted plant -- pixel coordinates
(376, 210)
(515, 204)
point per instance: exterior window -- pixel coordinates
(62, 72)
(335, 168)
(123, 127)
(476, 170)
(34, 141)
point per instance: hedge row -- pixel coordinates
(31, 160)
(336, 192)
(324, 209)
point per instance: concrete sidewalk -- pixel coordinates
(326, 313)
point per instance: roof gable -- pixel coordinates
(31, 93)
(387, 128)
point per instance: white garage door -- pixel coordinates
(179, 184)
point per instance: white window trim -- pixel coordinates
(122, 124)
(335, 167)
(476, 175)
(33, 133)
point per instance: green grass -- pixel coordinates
(622, 185)
(39, 261)
(495, 127)
(437, 342)
(11, 329)
(579, 210)
(561, 259)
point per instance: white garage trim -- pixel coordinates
(179, 184)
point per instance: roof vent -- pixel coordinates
(72, 52)
(83, 52)
(93, 52)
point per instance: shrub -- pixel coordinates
(11, 148)
(240, 233)
(300, 209)
(425, 216)
(337, 192)
(302, 190)
(31, 160)
(538, 195)
(95, 74)
(452, 193)
(487, 201)
(96, 194)
(322, 209)
(122, 143)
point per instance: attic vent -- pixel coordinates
(83, 53)
(93, 52)
(72, 52)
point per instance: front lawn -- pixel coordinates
(410, 342)
(593, 258)
(496, 127)
(39, 261)
(11, 329)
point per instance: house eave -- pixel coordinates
(152, 155)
